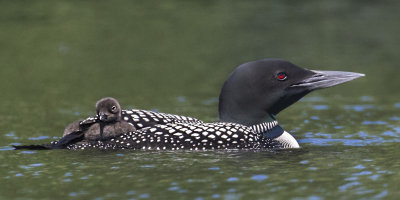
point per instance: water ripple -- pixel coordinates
(259, 177)
(395, 118)
(347, 186)
(390, 133)
(381, 195)
(362, 173)
(359, 167)
(359, 108)
(347, 142)
(28, 152)
(320, 107)
(6, 148)
(232, 179)
(304, 162)
(147, 166)
(367, 98)
(43, 137)
(373, 123)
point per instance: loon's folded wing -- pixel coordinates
(61, 144)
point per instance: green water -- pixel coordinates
(57, 58)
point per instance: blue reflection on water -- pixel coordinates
(181, 99)
(359, 167)
(7, 148)
(304, 162)
(28, 152)
(362, 173)
(147, 166)
(174, 188)
(36, 165)
(374, 177)
(395, 118)
(315, 198)
(42, 137)
(374, 122)
(382, 194)
(320, 107)
(259, 177)
(232, 179)
(11, 135)
(145, 196)
(347, 142)
(68, 174)
(390, 133)
(312, 99)
(346, 186)
(314, 117)
(359, 108)
(210, 101)
(367, 98)
(351, 178)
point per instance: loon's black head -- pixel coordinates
(256, 90)
(108, 109)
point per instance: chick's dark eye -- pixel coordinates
(281, 76)
(113, 108)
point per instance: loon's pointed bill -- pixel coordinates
(324, 79)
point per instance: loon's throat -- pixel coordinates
(268, 129)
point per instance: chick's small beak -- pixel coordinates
(102, 116)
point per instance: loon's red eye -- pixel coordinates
(281, 76)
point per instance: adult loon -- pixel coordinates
(250, 98)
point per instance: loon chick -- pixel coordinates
(105, 125)
(250, 98)
(110, 122)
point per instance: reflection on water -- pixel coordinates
(58, 57)
(364, 135)
(348, 172)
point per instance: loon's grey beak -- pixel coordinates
(324, 79)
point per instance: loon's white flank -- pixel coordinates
(288, 141)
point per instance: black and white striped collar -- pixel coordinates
(264, 127)
(268, 129)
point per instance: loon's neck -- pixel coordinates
(240, 102)
(249, 115)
